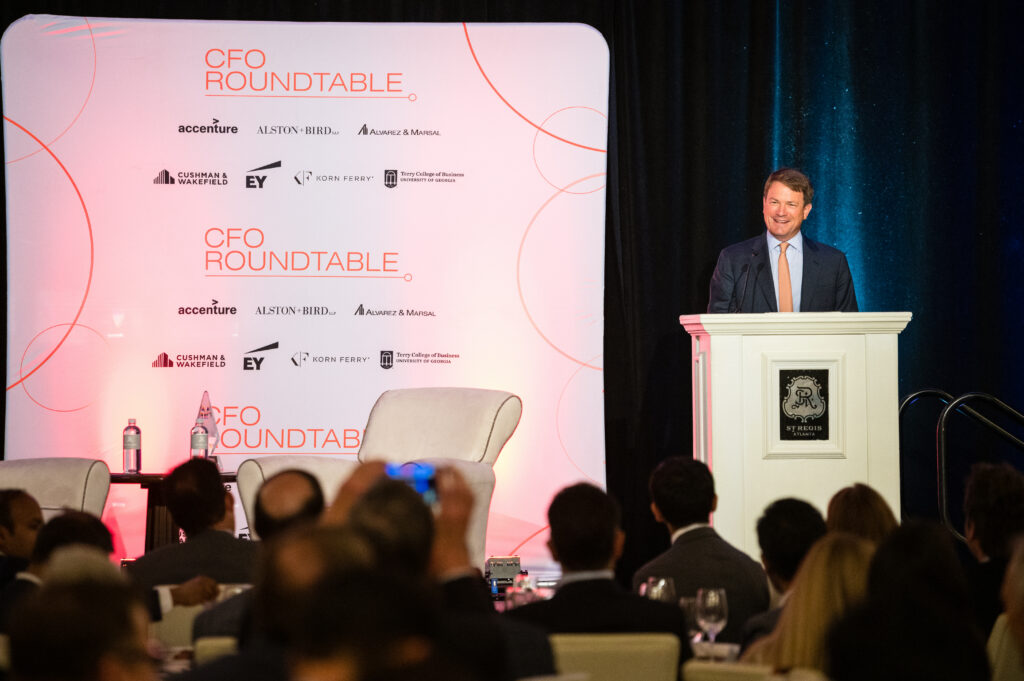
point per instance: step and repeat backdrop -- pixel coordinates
(295, 218)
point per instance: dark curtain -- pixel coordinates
(909, 119)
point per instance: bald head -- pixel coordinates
(291, 497)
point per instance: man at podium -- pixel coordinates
(782, 270)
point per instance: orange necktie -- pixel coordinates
(785, 287)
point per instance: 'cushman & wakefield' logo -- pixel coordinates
(294, 311)
(204, 177)
(195, 361)
(397, 132)
(255, 363)
(256, 181)
(305, 178)
(214, 308)
(246, 71)
(213, 128)
(233, 251)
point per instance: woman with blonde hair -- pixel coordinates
(831, 579)
(861, 511)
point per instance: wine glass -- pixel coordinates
(689, 606)
(659, 589)
(712, 611)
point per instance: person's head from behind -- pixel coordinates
(860, 510)
(367, 624)
(585, 532)
(398, 524)
(786, 531)
(68, 529)
(293, 561)
(196, 498)
(831, 580)
(682, 492)
(20, 521)
(993, 509)
(81, 631)
(916, 573)
(288, 498)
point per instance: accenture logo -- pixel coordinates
(214, 308)
(213, 128)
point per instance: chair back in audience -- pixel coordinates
(409, 424)
(209, 648)
(1004, 653)
(59, 483)
(174, 630)
(613, 657)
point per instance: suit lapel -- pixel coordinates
(812, 272)
(764, 293)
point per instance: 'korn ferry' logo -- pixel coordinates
(804, 401)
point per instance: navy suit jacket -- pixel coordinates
(213, 553)
(602, 606)
(742, 281)
(702, 559)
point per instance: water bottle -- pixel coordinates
(132, 448)
(200, 440)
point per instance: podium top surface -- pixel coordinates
(795, 323)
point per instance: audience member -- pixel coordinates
(411, 541)
(915, 624)
(66, 529)
(81, 631)
(832, 579)
(286, 500)
(1006, 642)
(785, 531)
(993, 515)
(291, 564)
(861, 511)
(683, 498)
(369, 626)
(20, 521)
(586, 540)
(199, 504)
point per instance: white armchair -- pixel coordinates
(464, 428)
(59, 483)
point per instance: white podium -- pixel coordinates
(794, 405)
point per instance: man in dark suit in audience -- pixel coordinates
(683, 498)
(20, 521)
(786, 531)
(285, 500)
(66, 529)
(586, 540)
(199, 504)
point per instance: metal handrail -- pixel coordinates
(940, 441)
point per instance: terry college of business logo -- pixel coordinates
(387, 359)
(391, 178)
